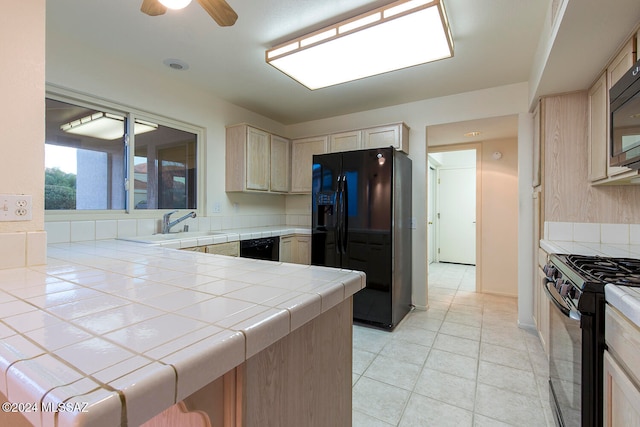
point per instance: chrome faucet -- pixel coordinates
(166, 224)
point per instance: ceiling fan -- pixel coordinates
(219, 10)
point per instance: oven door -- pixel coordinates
(565, 359)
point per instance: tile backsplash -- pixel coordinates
(20, 249)
(23, 249)
(614, 234)
(78, 231)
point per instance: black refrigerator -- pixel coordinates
(361, 213)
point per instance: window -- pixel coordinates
(87, 160)
(164, 169)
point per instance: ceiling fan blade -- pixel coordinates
(152, 8)
(220, 11)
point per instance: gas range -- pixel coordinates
(575, 286)
(574, 275)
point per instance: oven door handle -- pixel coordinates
(572, 314)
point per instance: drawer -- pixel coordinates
(623, 339)
(543, 257)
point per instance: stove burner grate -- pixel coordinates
(618, 271)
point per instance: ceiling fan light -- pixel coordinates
(175, 4)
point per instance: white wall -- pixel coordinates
(500, 217)
(22, 43)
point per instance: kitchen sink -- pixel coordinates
(183, 235)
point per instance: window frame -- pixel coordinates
(131, 114)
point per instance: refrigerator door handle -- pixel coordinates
(345, 217)
(338, 203)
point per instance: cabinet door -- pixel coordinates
(179, 415)
(598, 129)
(302, 151)
(396, 136)
(621, 64)
(286, 252)
(537, 147)
(280, 163)
(345, 141)
(303, 250)
(258, 159)
(621, 396)
(618, 67)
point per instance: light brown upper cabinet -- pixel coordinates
(598, 129)
(537, 147)
(599, 147)
(255, 160)
(280, 164)
(302, 151)
(345, 141)
(395, 135)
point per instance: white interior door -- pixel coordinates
(457, 215)
(431, 213)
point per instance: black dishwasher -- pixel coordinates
(264, 248)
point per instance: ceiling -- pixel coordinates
(495, 43)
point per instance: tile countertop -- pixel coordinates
(119, 329)
(626, 299)
(197, 238)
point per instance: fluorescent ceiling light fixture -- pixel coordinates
(105, 126)
(400, 35)
(175, 4)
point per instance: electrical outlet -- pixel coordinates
(15, 207)
(217, 207)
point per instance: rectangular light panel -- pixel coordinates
(410, 33)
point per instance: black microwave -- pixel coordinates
(625, 120)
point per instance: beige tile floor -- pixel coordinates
(464, 362)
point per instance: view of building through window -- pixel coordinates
(86, 162)
(165, 170)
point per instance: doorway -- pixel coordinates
(453, 207)
(451, 228)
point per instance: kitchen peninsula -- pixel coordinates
(115, 333)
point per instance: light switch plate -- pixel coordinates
(15, 207)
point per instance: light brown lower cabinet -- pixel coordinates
(304, 379)
(621, 396)
(621, 376)
(295, 249)
(229, 248)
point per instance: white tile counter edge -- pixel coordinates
(206, 356)
(625, 299)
